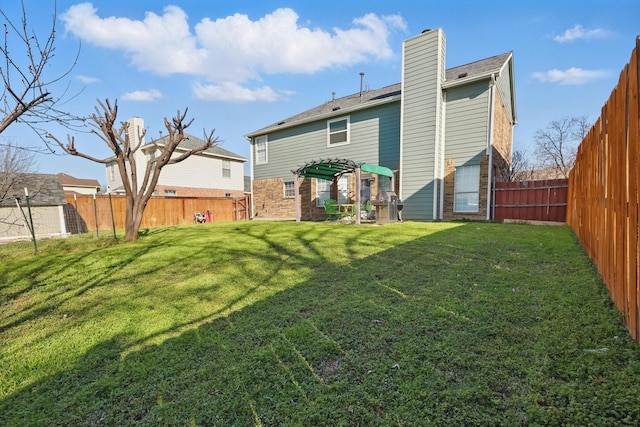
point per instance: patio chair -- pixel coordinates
(365, 209)
(331, 207)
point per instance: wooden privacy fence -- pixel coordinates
(543, 200)
(603, 194)
(82, 212)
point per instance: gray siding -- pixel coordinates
(467, 124)
(374, 138)
(422, 111)
(503, 84)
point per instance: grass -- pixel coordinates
(277, 323)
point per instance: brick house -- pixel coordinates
(216, 172)
(445, 133)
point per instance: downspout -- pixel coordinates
(492, 97)
(251, 163)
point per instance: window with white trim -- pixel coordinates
(226, 168)
(261, 150)
(467, 189)
(289, 189)
(323, 191)
(338, 131)
(343, 189)
(170, 193)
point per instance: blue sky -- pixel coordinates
(241, 65)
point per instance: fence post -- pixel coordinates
(113, 220)
(33, 231)
(95, 213)
(75, 202)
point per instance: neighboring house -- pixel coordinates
(73, 185)
(214, 173)
(47, 203)
(444, 132)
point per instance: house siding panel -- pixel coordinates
(467, 123)
(374, 138)
(423, 73)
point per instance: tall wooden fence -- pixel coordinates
(603, 194)
(541, 200)
(83, 212)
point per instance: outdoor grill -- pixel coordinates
(387, 207)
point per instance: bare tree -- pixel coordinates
(125, 145)
(556, 145)
(26, 93)
(14, 160)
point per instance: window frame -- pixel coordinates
(320, 200)
(257, 143)
(347, 131)
(227, 169)
(289, 189)
(463, 188)
(170, 193)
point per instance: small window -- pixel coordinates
(289, 189)
(338, 131)
(226, 168)
(323, 191)
(467, 189)
(170, 193)
(261, 150)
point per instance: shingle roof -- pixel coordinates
(44, 190)
(456, 75)
(194, 142)
(77, 182)
(474, 70)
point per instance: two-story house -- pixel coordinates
(444, 132)
(215, 172)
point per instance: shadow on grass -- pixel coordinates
(472, 325)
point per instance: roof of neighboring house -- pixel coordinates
(71, 181)
(454, 76)
(192, 142)
(44, 190)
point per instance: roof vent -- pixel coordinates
(426, 30)
(335, 108)
(280, 123)
(461, 75)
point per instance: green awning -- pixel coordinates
(330, 168)
(378, 170)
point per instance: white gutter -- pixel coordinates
(251, 164)
(492, 97)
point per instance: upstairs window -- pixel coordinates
(226, 168)
(467, 189)
(338, 131)
(261, 150)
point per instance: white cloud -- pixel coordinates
(578, 32)
(231, 91)
(233, 49)
(87, 79)
(142, 95)
(571, 76)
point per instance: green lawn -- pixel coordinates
(277, 323)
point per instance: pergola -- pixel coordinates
(329, 169)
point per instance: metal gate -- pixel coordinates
(543, 200)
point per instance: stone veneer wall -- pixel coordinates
(449, 188)
(197, 192)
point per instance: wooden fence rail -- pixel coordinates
(82, 212)
(603, 194)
